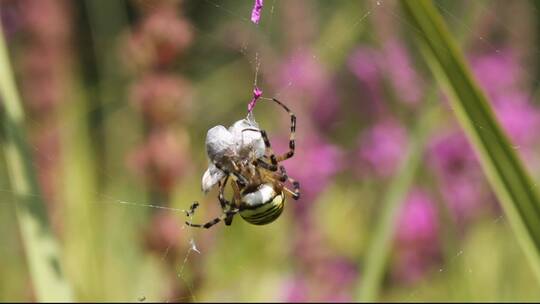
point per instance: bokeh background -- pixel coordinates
(119, 95)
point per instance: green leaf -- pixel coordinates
(503, 168)
(39, 243)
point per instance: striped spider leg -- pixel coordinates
(228, 209)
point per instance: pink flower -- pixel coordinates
(520, 119)
(497, 73)
(162, 98)
(163, 159)
(401, 73)
(158, 40)
(418, 221)
(303, 72)
(372, 66)
(256, 12)
(463, 185)
(296, 290)
(364, 64)
(323, 159)
(382, 146)
(302, 79)
(417, 244)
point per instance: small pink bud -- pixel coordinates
(257, 93)
(256, 12)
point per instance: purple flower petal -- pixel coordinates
(381, 147)
(256, 12)
(257, 93)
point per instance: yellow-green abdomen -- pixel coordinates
(264, 213)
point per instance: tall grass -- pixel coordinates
(40, 246)
(507, 176)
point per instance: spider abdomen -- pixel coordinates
(262, 206)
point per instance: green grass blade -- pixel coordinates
(504, 170)
(381, 242)
(39, 243)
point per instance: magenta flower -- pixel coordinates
(157, 40)
(302, 79)
(302, 72)
(497, 73)
(329, 279)
(296, 290)
(163, 159)
(256, 12)
(381, 148)
(372, 66)
(364, 64)
(418, 219)
(417, 244)
(401, 73)
(462, 183)
(520, 120)
(325, 111)
(463, 186)
(162, 98)
(323, 161)
(339, 275)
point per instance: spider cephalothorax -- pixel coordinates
(242, 156)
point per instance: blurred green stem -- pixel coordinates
(381, 241)
(107, 21)
(509, 180)
(40, 246)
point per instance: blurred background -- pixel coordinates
(119, 95)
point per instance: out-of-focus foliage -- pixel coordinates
(119, 95)
(509, 179)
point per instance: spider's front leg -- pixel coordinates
(268, 147)
(292, 135)
(292, 142)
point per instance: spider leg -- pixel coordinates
(192, 208)
(296, 187)
(236, 192)
(261, 163)
(226, 206)
(242, 180)
(290, 153)
(283, 174)
(295, 193)
(222, 201)
(224, 216)
(283, 177)
(268, 147)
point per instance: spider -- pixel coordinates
(243, 157)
